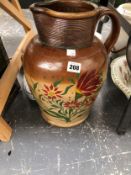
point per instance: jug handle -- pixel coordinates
(113, 36)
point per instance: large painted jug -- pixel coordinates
(65, 65)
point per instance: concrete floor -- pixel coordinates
(37, 148)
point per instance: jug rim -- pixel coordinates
(42, 7)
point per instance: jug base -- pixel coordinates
(56, 122)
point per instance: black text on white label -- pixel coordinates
(73, 67)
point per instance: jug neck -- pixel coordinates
(65, 24)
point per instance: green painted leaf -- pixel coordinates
(70, 111)
(50, 109)
(78, 75)
(55, 106)
(68, 120)
(81, 112)
(71, 80)
(78, 96)
(57, 82)
(78, 116)
(53, 114)
(35, 86)
(58, 115)
(66, 111)
(67, 89)
(57, 101)
(60, 112)
(61, 103)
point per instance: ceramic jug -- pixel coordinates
(125, 11)
(65, 65)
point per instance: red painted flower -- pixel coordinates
(52, 92)
(72, 104)
(88, 83)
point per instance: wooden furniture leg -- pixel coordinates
(4, 61)
(15, 13)
(8, 79)
(17, 5)
(5, 130)
(9, 76)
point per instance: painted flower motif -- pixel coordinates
(72, 104)
(52, 92)
(88, 84)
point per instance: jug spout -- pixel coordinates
(65, 24)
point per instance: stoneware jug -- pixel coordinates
(65, 65)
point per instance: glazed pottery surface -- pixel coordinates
(65, 65)
(125, 11)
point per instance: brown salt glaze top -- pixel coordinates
(71, 24)
(65, 24)
(73, 9)
(53, 61)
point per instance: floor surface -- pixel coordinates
(37, 148)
